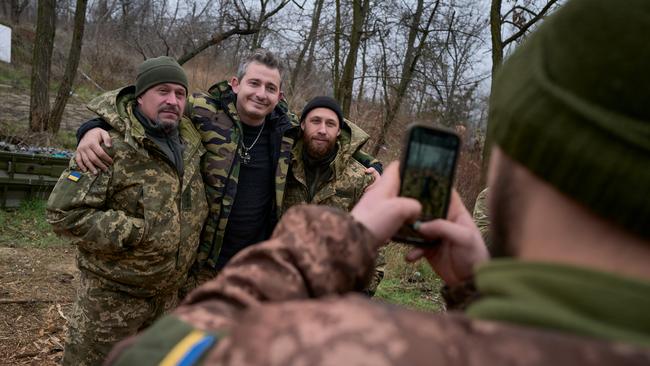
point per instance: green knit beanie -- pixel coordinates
(572, 104)
(154, 71)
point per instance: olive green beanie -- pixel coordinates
(154, 71)
(572, 105)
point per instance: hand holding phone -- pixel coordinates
(427, 172)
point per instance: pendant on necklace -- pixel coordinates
(244, 155)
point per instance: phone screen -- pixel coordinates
(428, 172)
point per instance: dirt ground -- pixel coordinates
(37, 288)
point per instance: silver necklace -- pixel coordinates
(244, 151)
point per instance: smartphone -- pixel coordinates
(427, 172)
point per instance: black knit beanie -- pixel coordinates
(154, 71)
(323, 102)
(572, 105)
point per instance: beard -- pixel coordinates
(318, 151)
(168, 124)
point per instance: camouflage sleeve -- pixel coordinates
(76, 208)
(315, 251)
(480, 215)
(368, 161)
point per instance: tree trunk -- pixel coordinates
(70, 68)
(337, 51)
(39, 107)
(410, 61)
(311, 39)
(17, 8)
(497, 59)
(359, 10)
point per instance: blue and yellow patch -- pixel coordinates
(189, 350)
(74, 175)
(169, 341)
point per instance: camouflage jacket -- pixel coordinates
(480, 216)
(136, 226)
(348, 180)
(215, 117)
(343, 190)
(276, 304)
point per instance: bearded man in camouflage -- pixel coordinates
(323, 171)
(136, 225)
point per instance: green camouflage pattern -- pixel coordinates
(102, 317)
(137, 225)
(345, 187)
(480, 216)
(215, 117)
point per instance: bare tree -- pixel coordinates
(308, 46)
(70, 68)
(343, 92)
(241, 22)
(418, 32)
(39, 107)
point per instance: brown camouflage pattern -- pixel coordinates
(215, 117)
(276, 304)
(480, 216)
(343, 190)
(102, 317)
(136, 226)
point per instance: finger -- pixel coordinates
(388, 184)
(457, 208)
(415, 254)
(101, 154)
(97, 163)
(80, 162)
(88, 164)
(445, 230)
(106, 139)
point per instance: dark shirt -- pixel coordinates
(250, 218)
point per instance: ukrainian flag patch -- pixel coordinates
(74, 175)
(189, 350)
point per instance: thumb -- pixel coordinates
(106, 139)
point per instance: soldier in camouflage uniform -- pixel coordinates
(248, 132)
(323, 171)
(137, 225)
(576, 287)
(480, 216)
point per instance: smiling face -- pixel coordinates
(320, 129)
(164, 104)
(258, 92)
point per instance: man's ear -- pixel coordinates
(139, 99)
(281, 95)
(234, 84)
(302, 125)
(338, 133)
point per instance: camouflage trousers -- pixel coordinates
(102, 317)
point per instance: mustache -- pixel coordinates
(170, 109)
